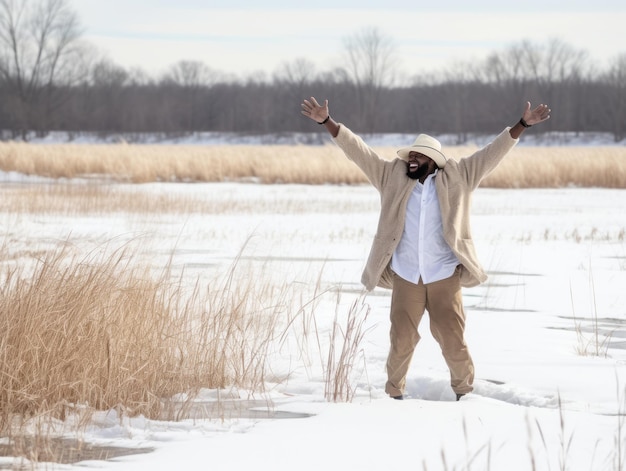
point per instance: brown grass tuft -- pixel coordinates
(101, 333)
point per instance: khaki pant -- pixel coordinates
(443, 301)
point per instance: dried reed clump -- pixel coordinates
(558, 167)
(101, 333)
(164, 163)
(526, 167)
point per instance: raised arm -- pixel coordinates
(530, 118)
(320, 114)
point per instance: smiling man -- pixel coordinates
(423, 249)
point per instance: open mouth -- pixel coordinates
(413, 166)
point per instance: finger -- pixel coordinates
(546, 113)
(314, 101)
(543, 110)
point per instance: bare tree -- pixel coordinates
(614, 104)
(554, 60)
(506, 71)
(370, 66)
(552, 72)
(189, 80)
(298, 73)
(39, 57)
(190, 74)
(295, 81)
(557, 68)
(107, 73)
(107, 101)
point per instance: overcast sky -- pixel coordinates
(242, 37)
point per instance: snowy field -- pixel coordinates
(547, 334)
(311, 138)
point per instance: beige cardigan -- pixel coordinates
(455, 184)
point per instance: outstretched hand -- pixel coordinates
(536, 115)
(312, 109)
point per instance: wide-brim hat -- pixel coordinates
(427, 145)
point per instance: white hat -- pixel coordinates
(427, 145)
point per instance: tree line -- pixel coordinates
(51, 80)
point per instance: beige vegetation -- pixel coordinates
(73, 199)
(83, 333)
(104, 332)
(556, 167)
(141, 164)
(526, 167)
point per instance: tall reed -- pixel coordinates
(102, 332)
(345, 349)
(525, 167)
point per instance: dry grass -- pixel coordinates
(555, 167)
(340, 352)
(69, 198)
(344, 352)
(98, 332)
(138, 163)
(526, 167)
(593, 342)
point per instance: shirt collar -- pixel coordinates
(432, 175)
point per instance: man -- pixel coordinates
(423, 249)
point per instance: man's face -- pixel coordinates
(419, 166)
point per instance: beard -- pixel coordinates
(420, 172)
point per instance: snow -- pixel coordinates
(555, 138)
(557, 265)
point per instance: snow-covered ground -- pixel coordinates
(543, 399)
(318, 138)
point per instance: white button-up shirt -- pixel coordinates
(422, 251)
